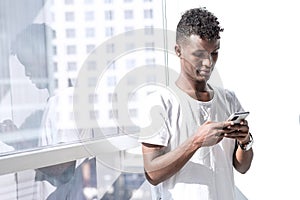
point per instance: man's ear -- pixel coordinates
(178, 50)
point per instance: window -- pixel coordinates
(111, 64)
(132, 96)
(149, 30)
(112, 97)
(54, 50)
(77, 27)
(92, 81)
(109, 15)
(151, 79)
(110, 48)
(89, 32)
(88, 1)
(150, 46)
(128, 30)
(53, 34)
(89, 16)
(90, 48)
(69, 16)
(52, 17)
(113, 114)
(150, 61)
(130, 63)
(68, 2)
(128, 14)
(129, 46)
(148, 13)
(111, 81)
(72, 66)
(56, 83)
(94, 114)
(71, 49)
(70, 33)
(109, 31)
(131, 81)
(93, 98)
(91, 65)
(133, 112)
(55, 66)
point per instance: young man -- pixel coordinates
(193, 155)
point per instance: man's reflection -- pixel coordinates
(31, 47)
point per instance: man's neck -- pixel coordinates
(200, 90)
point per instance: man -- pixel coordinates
(193, 155)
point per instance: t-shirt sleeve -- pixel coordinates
(156, 124)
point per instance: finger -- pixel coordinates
(235, 134)
(240, 128)
(244, 122)
(225, 125)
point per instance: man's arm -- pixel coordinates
(160, 165)
(242, 159)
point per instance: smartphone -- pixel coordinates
(238, 116)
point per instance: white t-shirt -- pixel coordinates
(209, 173)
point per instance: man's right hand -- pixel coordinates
(211, 133)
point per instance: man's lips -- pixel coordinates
(203, 71)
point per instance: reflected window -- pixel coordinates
(113, 114)
(128, 30)
(148, 13)
(72, 66)
(92, 81)
(130, 63)
(70, 33)
(112, 97)
(94, 114)
(89, 32)
(111, 81)
(149, 30)
(89, 16)
(91, 65)
(110, 48)
(133, 112)
(71, 49)
(90, 48)
(93, 98)
(109, 31)
(128, 14)
(69, 16)
(109, 15)
(68, 2)
(88, 1)
(54, 50)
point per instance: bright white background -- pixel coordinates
(259, 61)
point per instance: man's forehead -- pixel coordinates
(196, 40)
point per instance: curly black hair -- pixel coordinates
(198, 21)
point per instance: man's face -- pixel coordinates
(35, 68)
(198, 57)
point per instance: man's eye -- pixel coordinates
(200, 55)
(215, 53)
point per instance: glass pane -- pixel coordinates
(66, 77)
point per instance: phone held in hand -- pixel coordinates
(238, 116)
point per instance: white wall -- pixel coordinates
(259, 61)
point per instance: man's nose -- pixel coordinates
(207, 61)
